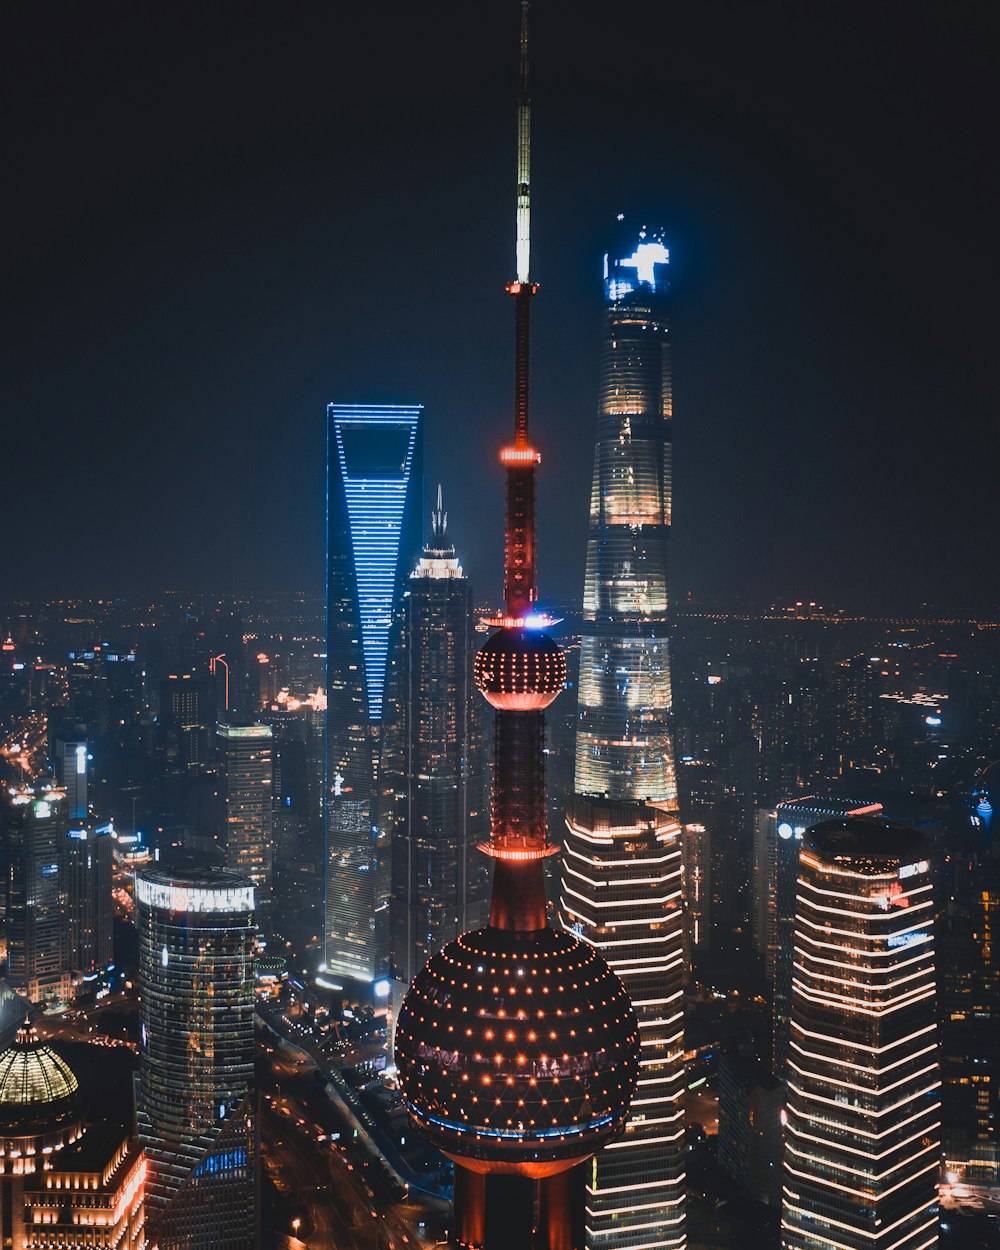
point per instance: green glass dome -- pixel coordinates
(38, 1089)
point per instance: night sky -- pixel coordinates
(218, 217)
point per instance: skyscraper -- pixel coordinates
(439, 880)
(516, 1044)
(196, 930)
(784, 829)
(621, 870)
(89, 865)
(37, 945)
(374, 486)
(247, 794)
(862, 1141)
(623, 745)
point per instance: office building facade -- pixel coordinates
(621, 867)
(37, 938)
(374, 488)
(246, 756)
(782, 833)
(439, 880)
(89, 866)
(622, 892)
(196, 932)
(862, 1140)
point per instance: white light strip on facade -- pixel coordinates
(894, 1147)
(866, 1111)
(873, 1050)
(194, 898)
(825, 1181)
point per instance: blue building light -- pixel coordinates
(641, 259)
(374, 452)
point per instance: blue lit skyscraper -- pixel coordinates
(374, 488)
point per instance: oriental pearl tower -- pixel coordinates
(517, 1047)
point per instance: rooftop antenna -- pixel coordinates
(520, 590)
(439, 518)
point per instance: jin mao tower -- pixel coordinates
(622, 856)
(438, 888)
(516, 1045)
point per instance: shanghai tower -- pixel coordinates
(621, 867)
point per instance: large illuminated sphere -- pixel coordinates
(517, 1052)
(519, 670)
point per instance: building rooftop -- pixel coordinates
(866, 840)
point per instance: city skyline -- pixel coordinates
(208, 286)
(376, 900)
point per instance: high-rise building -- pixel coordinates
(71, 766)
(374, 487)
(516, 1045)
(623, 747)
(89, 865)
(37, 946)
(185, 722)
(439, 882)
(196, 931)
(969, 1008)
(862, 1139)
(621, 871)
(697, 877)
(247, 794)
(621, 891)
(749, 1137)
(63, 1183)
(781, 833)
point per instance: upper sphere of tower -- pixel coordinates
(520, 670)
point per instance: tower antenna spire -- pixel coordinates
(524, 157)
(520, 590)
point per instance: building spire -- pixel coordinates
(520, 459)
(524, 157)
(439, 520)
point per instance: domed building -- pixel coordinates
(62, 1182)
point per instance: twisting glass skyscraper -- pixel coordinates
(863, 1137)
(621, 870)
(374, 487)
(623, 736)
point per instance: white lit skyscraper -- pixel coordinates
(621, 868)
(862, 1140)
(374, 487)
(780, 836)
